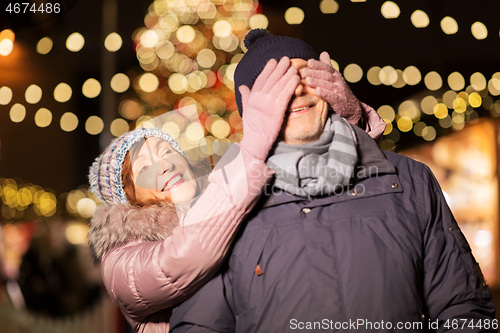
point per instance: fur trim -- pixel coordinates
(118, 224)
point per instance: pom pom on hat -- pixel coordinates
(255, 34)
(261, 47)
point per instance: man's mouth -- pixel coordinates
(300, 109)
(175, 180)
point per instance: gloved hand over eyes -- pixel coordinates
(331, 86)
(264, 106)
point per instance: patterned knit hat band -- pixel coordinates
(263, 46)
(105, 176)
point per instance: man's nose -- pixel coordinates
(300, 90)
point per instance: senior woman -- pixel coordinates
(149, 262)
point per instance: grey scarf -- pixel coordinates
(317, 168)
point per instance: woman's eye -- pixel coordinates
(143, 169)
(167, 152)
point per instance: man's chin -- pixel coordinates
(300, 137)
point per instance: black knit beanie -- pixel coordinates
(263, 46)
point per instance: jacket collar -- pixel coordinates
(374, 175)
(118, 224)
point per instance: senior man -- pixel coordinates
(347, 237)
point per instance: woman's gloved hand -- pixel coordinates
(331, 86)
(264, 106)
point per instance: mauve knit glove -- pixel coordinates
(331, 86)
(264, 106)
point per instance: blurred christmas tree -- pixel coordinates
(189, 50)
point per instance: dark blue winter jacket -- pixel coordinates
(384, 255)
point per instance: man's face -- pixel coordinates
(306, 114)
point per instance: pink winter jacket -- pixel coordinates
(150, 264)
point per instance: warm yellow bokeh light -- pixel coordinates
(178, 83)
(43, 117)
(69, 122)
(207, 10)
(373, 76)
(5, 95)
(194, 81)
(412, 75)
(428, 103)
(94, 125)
(165, 49)
(33, 94)
(429, 133)
(456, 81)
(172, 129)
(440, 111)
(119, 126)
(400, 82)
(44, 45)
(475, 100)
(206, 58)
(75, 42)
(120, 83)
(113, 42)
(222, 28)
(76, 233)
(294, 15)
(494, 86)
(449, 25)
(7, 34)
(328, 6)
(418, 128)
(62, 92)
(410, 110)
(17, 113)
(390, 10)
(478, 81)
(388, 75)
(258, 21)
(131, 109)
(458, 120)
(220, 128)
(353, 73)
(448, 98)
(91, 88)
(419, 19)
(149, 38)
(386, 112)
(149, 82)
(185, 34)
(194, 132)
(388, 128)
(85, 208)
(405, 124)
(479, 30)
(459, 105)
(335, 64)
(433, 81)
(445, 122)
(6, 47)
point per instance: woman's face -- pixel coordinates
(161, 173)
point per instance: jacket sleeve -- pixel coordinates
(455, 292)
(145, 277)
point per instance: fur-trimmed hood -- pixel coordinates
(118, 224)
